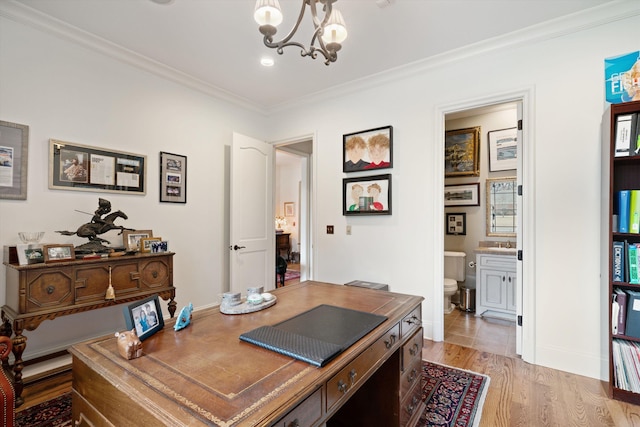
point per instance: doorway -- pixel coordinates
(293, 201)
(523, 99)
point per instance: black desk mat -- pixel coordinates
(317, 335)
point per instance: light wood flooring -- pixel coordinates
(485, 334)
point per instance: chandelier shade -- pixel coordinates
(329, 32)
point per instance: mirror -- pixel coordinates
(501, 206)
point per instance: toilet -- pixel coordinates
(454, 272)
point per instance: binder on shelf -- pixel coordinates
(623, 210)
(618, 262)
(632, 257)
(632, 328)
(618, 312)
(623, 134)
(635, 135)
(634, 212)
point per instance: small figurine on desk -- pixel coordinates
(184, 318)
(129, 345)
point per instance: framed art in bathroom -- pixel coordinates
(456, 223)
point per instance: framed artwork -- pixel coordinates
(54, 253)
(14, 157)
(173, 178)
(503, 149)
(30, 253)
(456, 223)
(461, 152)
(159, 246)
(131, 238)
(462, 194)
(83, 168)
(145, 316)
(367, 195)
(368, 149)
(145, 243)
(289, 209)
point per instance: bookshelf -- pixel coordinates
(620, 173)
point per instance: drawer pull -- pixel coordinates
(412, 376)
(352, 376)
(342, 387)
(50, 289)
(414, 349)
(413, 320)
(294, 423)
(389, 343)
(412, 407)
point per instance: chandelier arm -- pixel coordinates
(268, 41)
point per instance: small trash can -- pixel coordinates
(467, 299)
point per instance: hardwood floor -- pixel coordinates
(486, 334)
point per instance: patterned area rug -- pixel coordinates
(52, 413)
(453, 398)
(291, 274)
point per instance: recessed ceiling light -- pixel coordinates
(267, 62)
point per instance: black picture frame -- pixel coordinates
(357, 154)
(371, 203)
(83, 168)
(14, 160)
(133, 313)
(173, 178)
(456, 223)
(462, 194)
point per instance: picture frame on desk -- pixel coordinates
(145, 243)
(145, 316)
(59, 252)
(14, 149)
(131, 238)
(159, 246)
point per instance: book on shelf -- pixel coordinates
(626, 364)
(634, 212)
(618, 311)
(624, 124)
(623, 210)
(618, 262)
(632, 258)
(635, 135)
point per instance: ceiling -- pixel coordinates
(215, 44)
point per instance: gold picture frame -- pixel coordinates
(145, 243)
(462, 152)
(131, 238)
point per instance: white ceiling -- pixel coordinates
(216, 43)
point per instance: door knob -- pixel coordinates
(236, 247)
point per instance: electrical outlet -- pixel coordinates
(348, 230)
(329, 229)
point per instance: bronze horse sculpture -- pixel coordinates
(91, 230)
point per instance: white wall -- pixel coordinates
(566, 73)
(66, 92)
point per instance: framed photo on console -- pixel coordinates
(145, 316)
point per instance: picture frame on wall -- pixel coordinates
(367, 195)
(84, 168)
(173, 178)
(14, 159)
(462, 194)
(456, 223)
(503, 149)
(461, 152)
(145, 316)
(367, 150)
(289, 209)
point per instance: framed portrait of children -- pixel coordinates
(145, 316)
(367, 195)
(368, 150)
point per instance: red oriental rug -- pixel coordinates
(291, 274)
(453, 398)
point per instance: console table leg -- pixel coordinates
(19, 344)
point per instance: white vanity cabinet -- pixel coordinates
(495, 283)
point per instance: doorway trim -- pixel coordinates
(526, 97)
(307, 209)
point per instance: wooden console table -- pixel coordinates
(38, 292)
(204, 375)
(283, 243)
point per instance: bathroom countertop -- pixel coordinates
(494, 250)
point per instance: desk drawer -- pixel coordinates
(412, 350)
(354, 372)
(411, 405)
(411, 322)
(49, 289)
(305, 414)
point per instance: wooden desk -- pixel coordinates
(38, 292)
(283, 243)
(204, 375)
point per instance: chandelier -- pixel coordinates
(329, 32)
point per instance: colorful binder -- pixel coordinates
(634, 212)
(618, 262)
(623, 210)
